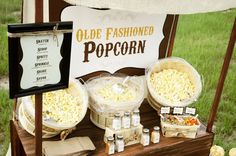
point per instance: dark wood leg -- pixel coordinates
(15, 141)
(38, 124)
(172, 36)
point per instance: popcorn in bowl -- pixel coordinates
(111, 93)
(172, 82)
(116, 92)
(62, 109)
(173, 85)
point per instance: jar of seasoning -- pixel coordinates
(126, 120)
(120, 143)
(116, 123)
(155, 136)
(135, 118)
(145, 139)
(110, 145)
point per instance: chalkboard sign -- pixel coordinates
(39, 57)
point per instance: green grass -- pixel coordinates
(202, 40)
(5, 116)
(3, 50)
(9, 13)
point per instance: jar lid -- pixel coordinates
(156, 128)
(136, 111)
(110, 138)
(117, 115)
(145, 130)
(120, 136)
(127, 113)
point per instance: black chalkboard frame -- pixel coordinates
(15, 56)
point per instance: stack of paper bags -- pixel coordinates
(70, 147)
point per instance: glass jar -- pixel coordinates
(145, 139)
(120, 143)
(116, 123)
(126, 120)
(155, 136)
(110, 145)
(135, 118)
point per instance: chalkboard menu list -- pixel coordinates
(39, 57)
(41, 61)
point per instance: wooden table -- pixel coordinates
(168, 146)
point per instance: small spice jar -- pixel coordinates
(116, 123)
(145, 140)
(135, 118)
(155, 136)
(126, 120)
(110, 145)
(120, 143)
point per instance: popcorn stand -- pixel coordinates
(105, 82)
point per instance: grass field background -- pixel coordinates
(9, 13)
(201, 39)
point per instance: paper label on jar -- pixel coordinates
(126, 122)
(120, 146)
(178, 110)
(135, 120)
(190, 110)
(155, 137)
(116, 124)
(145, 140)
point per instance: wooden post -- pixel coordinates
(14, 109)
(38, 97)
(172, 36)
(38, 11)
(15, 141)
(38, 124)
(223, 74)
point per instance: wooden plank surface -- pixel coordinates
(149, 118)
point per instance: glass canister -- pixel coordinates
(120, 143)
(145, 140)
(126, 120)
(155, 136)
(110, 145)
(135, 118)
(116, 123)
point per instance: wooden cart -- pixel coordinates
(23, 143)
